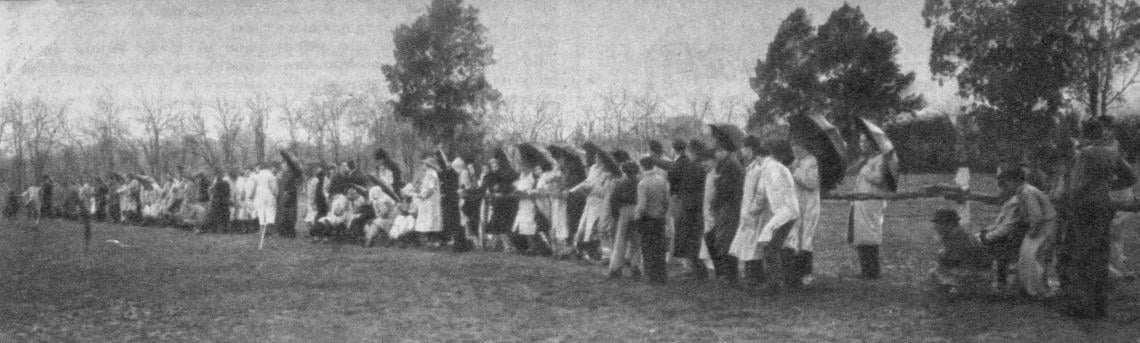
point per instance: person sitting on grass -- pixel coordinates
(962, 261)
(404, 225)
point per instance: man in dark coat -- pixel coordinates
(288, 184)
(725, 205)
(46, 204)
(449, 202)
(686, 183)
(1084, 245)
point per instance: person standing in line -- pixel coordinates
(622, 202)
(289, 184)
(573, 172)
(865, 221)
(499, 182)
(595, 216)
(686, 186)
(650, 214)
(450, 216)
(725, 206)
(744, 242)
(805, 172)
(264, 195)
(1085, 245)
(526, 226)
(429, 223)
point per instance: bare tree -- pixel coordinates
(14, 116)
(229, 122)
(46, 125)
(294, 116)
(259, 107)
(157, 115)
(329, 105)
(107, 129)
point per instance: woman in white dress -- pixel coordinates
(429, 223)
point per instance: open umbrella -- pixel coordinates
(883, 145)
(727, 136)
(825, 142)
(531, 155)
(603, 157)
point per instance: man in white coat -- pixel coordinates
(769, 209)
(264, 195)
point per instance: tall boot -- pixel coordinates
(869, 261)
(754, 273)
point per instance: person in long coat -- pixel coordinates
(805, 171)
(552, 202)
(47, 189)
(264, 197)
(288, 186)
(865, 220)
(595, 218)
(687, 187)
(725, 207)
(771, 209)
(451, 218)
(1084, 247)
(498, 183)
(218, 215)
(573, 173)
(429, 223)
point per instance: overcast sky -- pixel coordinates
(568, 51)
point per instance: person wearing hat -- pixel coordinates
(429, 223)
(597, 187)
(724, 205)
(341, 211)
(686, 185)
(962, 260)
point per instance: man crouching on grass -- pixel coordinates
(963, 262)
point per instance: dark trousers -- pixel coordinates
(869, 261)
(1083, 260)
(724, 264)
(653, 248)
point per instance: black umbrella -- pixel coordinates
(532, 155)
(823, 140)
(727, 136)
(604, 158)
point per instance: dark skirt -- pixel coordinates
(503, 212)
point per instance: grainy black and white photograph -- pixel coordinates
(569, 171)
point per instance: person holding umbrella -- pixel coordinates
(597, 187)
(876, 174)
(686, 185)
(572, 172)
(526, 220)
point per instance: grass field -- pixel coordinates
(169, 285)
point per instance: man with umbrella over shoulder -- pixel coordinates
(686, 185)
(724, 204)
